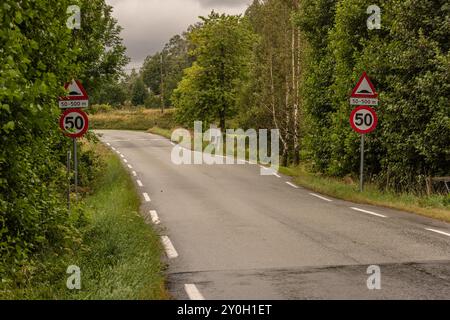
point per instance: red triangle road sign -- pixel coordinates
(364, 88)
(75, 91)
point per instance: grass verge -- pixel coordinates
(434, 206)
(117, 253)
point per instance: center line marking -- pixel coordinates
(168, 246)
(369, 212)
(320, 197)
(155, 217)
(440, 232)
(192, 292)
(146, 197)
(139, 183)
(292, 185)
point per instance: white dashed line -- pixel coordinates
(155, 217)
(125, 160)
(440, 232)
(129, 166)
(122, 156)
(292, 185)
(192, 292)
(320, 197)
(113, 148)
(117, 151)
(108, 144)
(277, 175)
(139, 183)
(134, 173)
(173, 143)
(146, 197)
(369, 212)
(168, 246)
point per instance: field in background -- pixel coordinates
(132, 119)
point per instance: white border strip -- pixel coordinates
(437, 231)
(139, 182)
(320, 197)
(146, 197)
(155, 217)
(168, 246)
(193, 292)
(292, 185)
(369, 212)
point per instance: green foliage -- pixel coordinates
(221, 46)
(139, 93)
(38, 55)
(408, 61)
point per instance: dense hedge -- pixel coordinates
(409, 62)
(38, 55)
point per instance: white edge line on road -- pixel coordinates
(125, 160)
(277, 175)
(139, 182)
(320, 197)
(129, 166)
(369, 212)
(193, 292)
(134, 173)
(117, 151)
(437, 231)
(108, 144)
(146, 197)
(122, 156)
(155, 217)
(292, 185)
(168, 246)
(173, 143)
(114, 149)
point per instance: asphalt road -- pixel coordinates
(230, 233)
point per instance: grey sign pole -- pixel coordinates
(361, 178)
(69, 158)
(75, 162)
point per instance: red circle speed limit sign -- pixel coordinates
(363, 119)
(74, 123)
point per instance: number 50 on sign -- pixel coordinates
(74, 123)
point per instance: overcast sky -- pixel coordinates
(149, 24)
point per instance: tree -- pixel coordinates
(139, 93)
(222, 50)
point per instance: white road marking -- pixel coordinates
(155, 217)
(117, 151)
(146, 197)
(440, 232)
(168, 246)
(113, 148)
(173, 143)
(139, 183)
(369, 212)
(129, 166)
(192, 292)
(292, 185)
(122, 156)
(134, 173)
(125, 160)
(108, 144)
(320, 197)
(277, 175)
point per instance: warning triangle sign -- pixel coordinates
(75, 91)
(364, 88)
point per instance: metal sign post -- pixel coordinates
(361, 178)
(75, 163)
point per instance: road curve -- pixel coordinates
(230, 233)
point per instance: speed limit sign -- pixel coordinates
(74, 123)
(363, 119)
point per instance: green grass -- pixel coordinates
(434, 206)
(118, 254)
(132, 119)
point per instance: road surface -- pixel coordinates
(230, 233)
